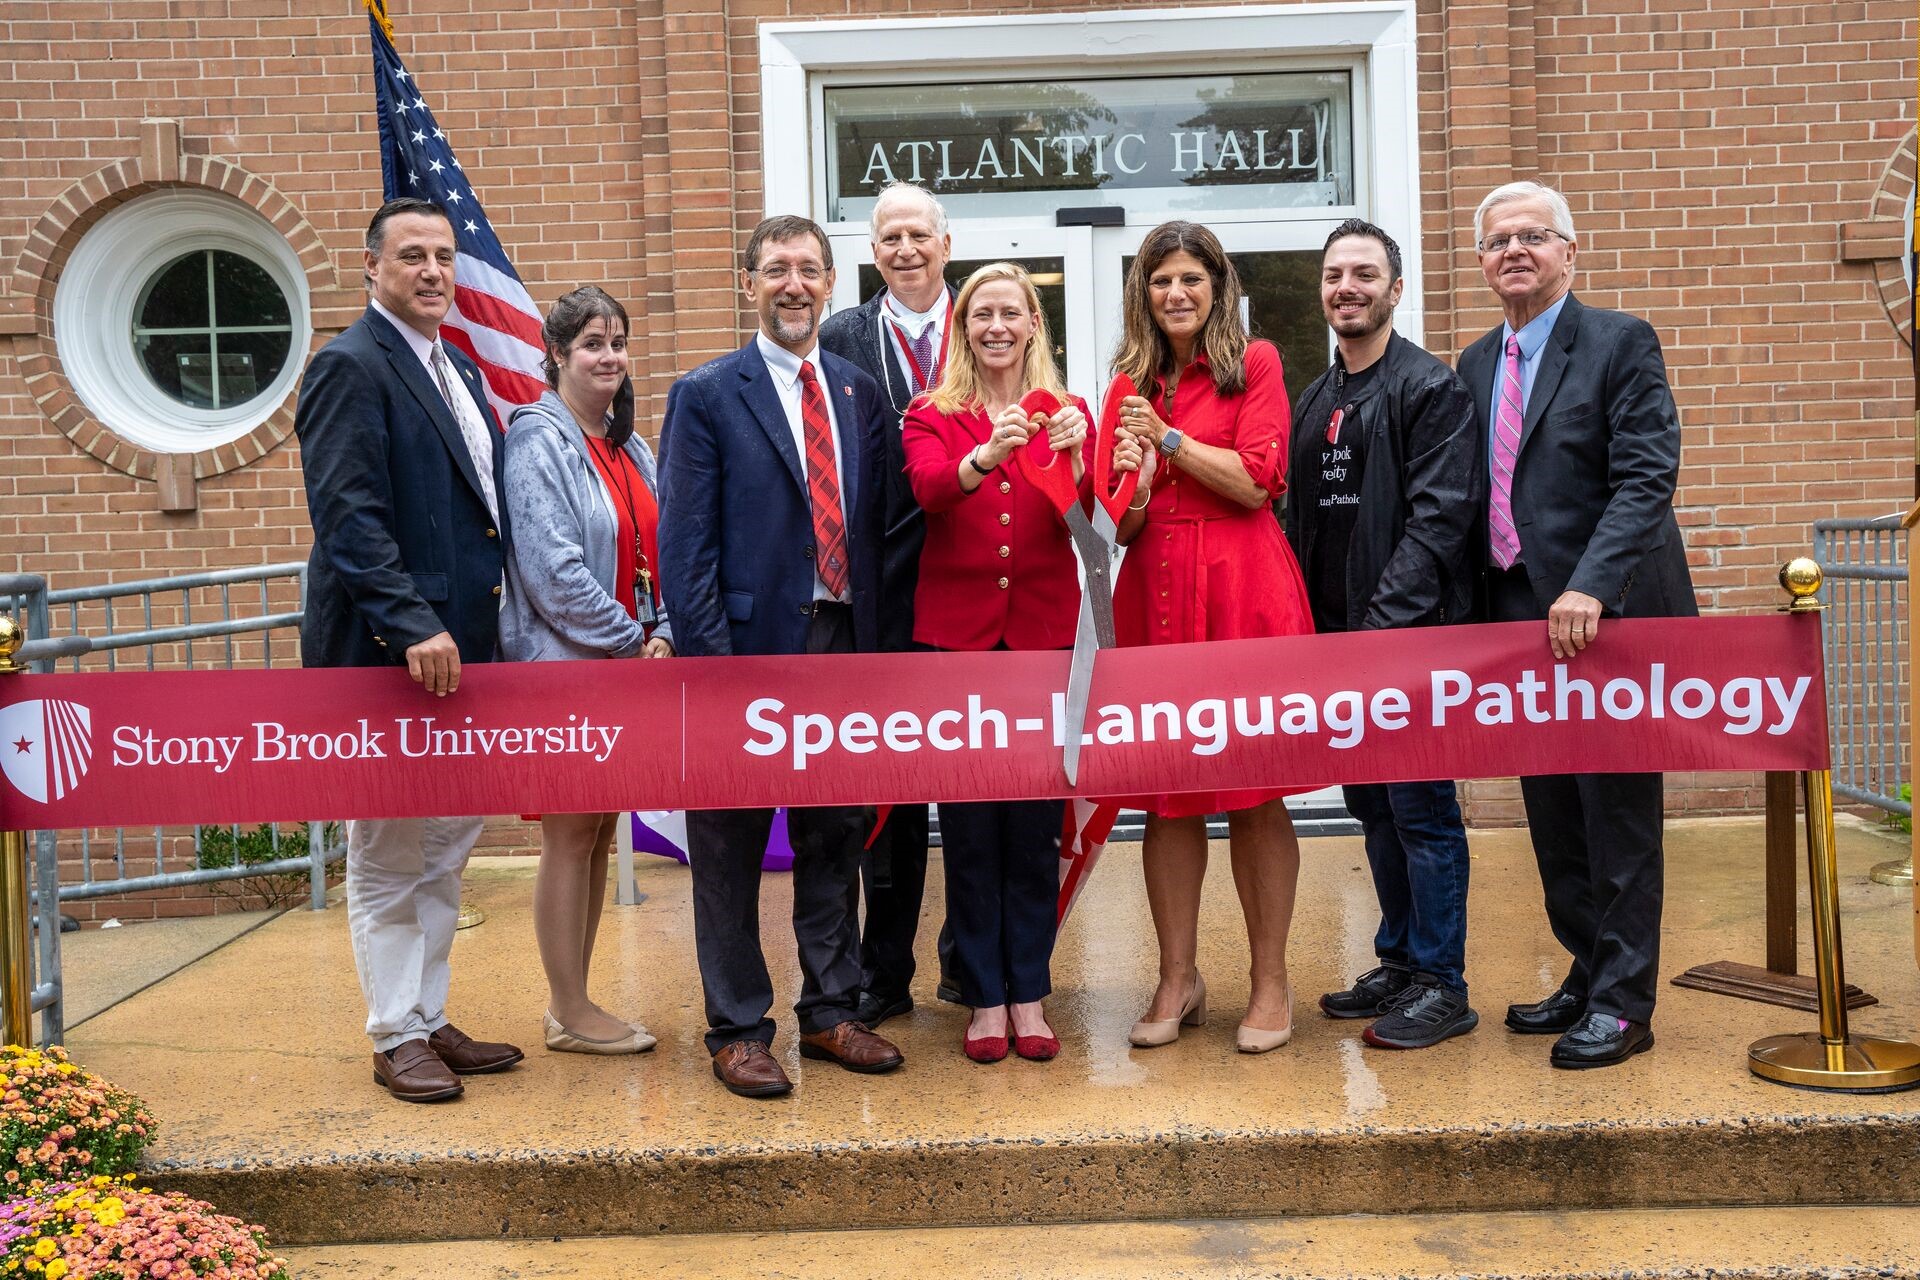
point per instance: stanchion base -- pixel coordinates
(1897, 872)
(1863, 1065)
(470, 916)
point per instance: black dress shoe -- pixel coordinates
(1370, 995)
(1559, 1012)
(948, 990)
(1601, 1040)
(874, 1008)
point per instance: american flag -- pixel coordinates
(493, 318)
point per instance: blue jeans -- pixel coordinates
(1417, 847)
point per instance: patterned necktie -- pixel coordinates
(1501, 533)
(923, 356)
(823, 485)
(472, 429)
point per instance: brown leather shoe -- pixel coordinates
(413, 1072)
(471, 1057)
(854, 1047)
(747, 1068)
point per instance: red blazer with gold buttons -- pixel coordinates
(997, 567)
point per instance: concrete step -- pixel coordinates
(1736, 1244)
(255, 1062)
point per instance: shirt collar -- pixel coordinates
(785, 364)
(420, 344)
(1533, 334)
(916, 321)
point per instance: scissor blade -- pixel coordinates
(1079, 683)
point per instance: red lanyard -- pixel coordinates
(927, 381)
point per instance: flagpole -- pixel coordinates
(16, 924)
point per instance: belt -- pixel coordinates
(826, 608)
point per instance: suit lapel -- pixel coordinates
(413, 375)
(1553, 364)
(763, 399)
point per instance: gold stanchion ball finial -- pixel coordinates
(11, 638)
(1800, 578)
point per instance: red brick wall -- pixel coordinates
(1715, 154)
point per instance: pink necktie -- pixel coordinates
(1501, 533)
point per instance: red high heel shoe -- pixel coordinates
(986, 1049)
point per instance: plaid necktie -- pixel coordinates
(1503, 537)
(823, 486)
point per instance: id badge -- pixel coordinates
(644, 611)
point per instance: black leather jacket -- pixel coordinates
(1410, 563)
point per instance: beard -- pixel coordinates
(789, 326)
(1378, 315)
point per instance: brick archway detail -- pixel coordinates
(159, 165)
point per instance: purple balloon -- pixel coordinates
(663, 832)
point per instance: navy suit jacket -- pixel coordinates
(736, 523)
(1599, 459)
(403, 545)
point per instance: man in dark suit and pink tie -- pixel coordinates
(1583, 454)
(772, 510)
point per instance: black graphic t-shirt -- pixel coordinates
(1342, 457)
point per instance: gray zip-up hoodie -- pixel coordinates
(560, 598)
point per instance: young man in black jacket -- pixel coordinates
(1385, 485)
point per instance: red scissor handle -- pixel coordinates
(1039, 463)
(1116, 503)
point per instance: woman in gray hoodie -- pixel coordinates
(581, 583)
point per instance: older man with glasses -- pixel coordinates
(1582, 454)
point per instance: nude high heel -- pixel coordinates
(1259, 1039)
(1148, 1035)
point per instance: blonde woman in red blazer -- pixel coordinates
(997, 572)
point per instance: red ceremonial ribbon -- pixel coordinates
(140, 748)
(927, 381)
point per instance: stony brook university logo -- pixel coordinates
(45, 747)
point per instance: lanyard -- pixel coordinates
(926, 380)
(618, 480)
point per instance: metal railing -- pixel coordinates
(154, 620)
(1865, 567)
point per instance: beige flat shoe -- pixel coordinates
(1149, 1035)
(561, 1040)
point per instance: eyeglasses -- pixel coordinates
(779, 271)
(1532, 237)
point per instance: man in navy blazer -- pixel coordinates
(772, 512)
(402, 464)
(1582, 447)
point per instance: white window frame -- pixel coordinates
(104, 279)
(1377, 38)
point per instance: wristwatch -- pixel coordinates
(1170, 443)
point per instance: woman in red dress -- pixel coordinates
(1207, 561)
(997, 572)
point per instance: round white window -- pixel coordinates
(181, 320)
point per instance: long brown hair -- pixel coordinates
(959, 386)
(1145, 355)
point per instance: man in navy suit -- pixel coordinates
(402, 465)
(772, 511)
(1582, 455)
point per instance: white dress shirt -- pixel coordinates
(785, 367)
(910, 324)
(473, 428)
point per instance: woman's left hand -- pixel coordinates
(657, 648)
(1067, 429)
(1137, 415)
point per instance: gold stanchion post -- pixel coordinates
(1831, 1058)
(16, 925)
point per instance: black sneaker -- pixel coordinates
(1370, 994)
(1425, 1013)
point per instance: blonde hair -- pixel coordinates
(959, 387)
(1145, 355)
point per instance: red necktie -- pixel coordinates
(823, 485)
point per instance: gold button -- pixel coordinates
(1006, 486)
(496, 591)
(1005, 552)
(1005, 518)
(1003, 584)
(492, 534)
